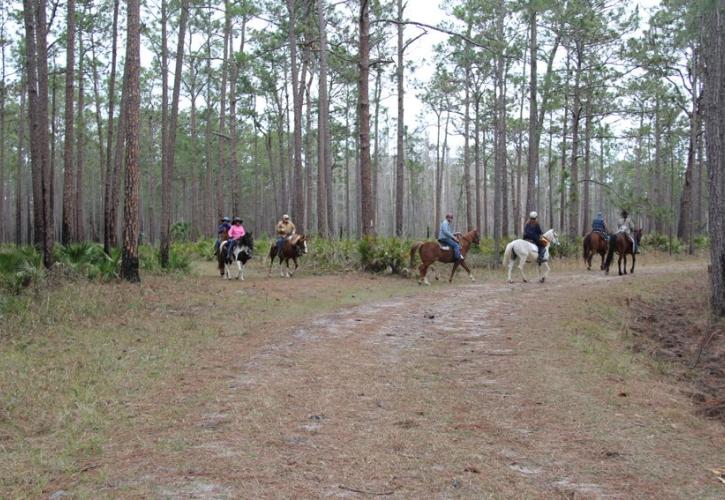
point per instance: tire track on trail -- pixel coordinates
(424, 396)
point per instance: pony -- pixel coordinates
(620, 243)
(595, 242)
(294, 246)
(432, 251)
(525, 251)
(241, 251)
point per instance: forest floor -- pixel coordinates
(356, 386)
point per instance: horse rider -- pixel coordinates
(446, 237)
(224, 224)
(626, 226)
(235, 234)
(599, 225)
(533, 233)
(285, 229)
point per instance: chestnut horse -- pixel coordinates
(431, 251)
(620, 243)
(595, 243)
(293, 247)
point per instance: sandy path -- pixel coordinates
(450, 394)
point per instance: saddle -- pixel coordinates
(444, 246)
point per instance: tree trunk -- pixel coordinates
(366, 208)
(132, 98)
(20, 168)
(533, 153)
(713, 40)
(477, 157)
(587, 159)
(170, 145)
(574, 173)
(233, 135)
(298, 206)
(79, 233)
(68, 217)
(112, 182)
(466, 139)
(323, 123)
(36, 50)
(684, 225)
(400, 150)
(223, 112)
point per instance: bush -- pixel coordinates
(19, 268)
(661, 242)
(567, 247)
(384, 254)
(89, 260)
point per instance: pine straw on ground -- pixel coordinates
(676, 327)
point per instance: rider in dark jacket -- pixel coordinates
(599, 225)
(225, 224)
(533, 233)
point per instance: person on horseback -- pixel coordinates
(446, 237)
(224, 225)
(533, 233)
(599, 225)
(285, 229)
(626, 226)
(235, 234)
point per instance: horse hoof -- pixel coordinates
(526, 281)
(541, 280)
(511, 281)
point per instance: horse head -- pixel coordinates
(301, 245)
(551, 237)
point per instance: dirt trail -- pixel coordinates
(455, 393)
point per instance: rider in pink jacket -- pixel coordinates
(235, 234)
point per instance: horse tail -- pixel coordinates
(413, 249)
(587, 241)
(610, 253)
(507, 254)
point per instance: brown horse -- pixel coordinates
(293, 247)
(620, 243)
(431, 251)
(595, 243)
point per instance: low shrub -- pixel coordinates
(20, 267)
(384, 254)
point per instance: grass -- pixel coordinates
(77, 361)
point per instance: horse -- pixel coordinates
(525, 251)
(595, 242)
(622, 244)
(219, 254)
(241, 251)
(294, 246)
(432, 251)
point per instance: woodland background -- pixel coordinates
(257, 108)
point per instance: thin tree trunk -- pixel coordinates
(477, 157)
(79, 233)
(234, 139)
(366, 209)
(111, 185)
(400, 150)
(20, 167)
(533, 153)
(574, 173)
(68, 181)
(298, 210)
(322, 125)
(168, 170)
(223, 111)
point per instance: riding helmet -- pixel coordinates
(533, 215)
(237, 219)
(226, 219)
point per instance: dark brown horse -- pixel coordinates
(595, 243)
(430, 252)
(221, 251)
(620, 243)
(293, 247)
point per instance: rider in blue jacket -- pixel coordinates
(533, 233)
(599, 225)
(446, 237)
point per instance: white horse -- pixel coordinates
(240, 254)
(525, 251)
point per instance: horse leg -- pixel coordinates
(624, 257)
(423, 280)
(619, 265)
(633, 260)
(294, 259)
(240, 271)
(521, 268)
(470, 274)
(453, 271)
(546, 272)
(286, 261)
